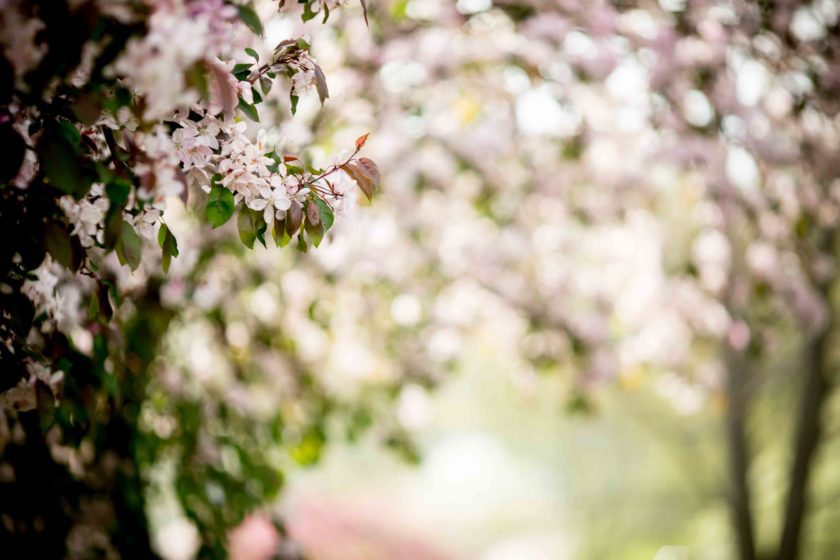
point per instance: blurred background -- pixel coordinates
(582, 314)
(589, 316)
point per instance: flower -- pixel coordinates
(155, 65)
(87, 215)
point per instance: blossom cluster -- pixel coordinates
(181, 127)
(179, 37)
(110, 112)
(156, 120)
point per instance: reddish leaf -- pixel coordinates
(313, 216)
(294, 217)
(360, 141)
(354, 173)
(366, 175)
(223, 87)
(370, 170)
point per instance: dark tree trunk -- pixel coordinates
(739, 457)
(809, 431)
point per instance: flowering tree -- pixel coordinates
(107, 111)
(609, 191)
(613, 189)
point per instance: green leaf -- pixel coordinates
(315, 233)
(87, 107)
(161, 236)
(118, 190)
(57, 243)
(113, 227)
(242, 70)
(220, 205)
(61, 163)
(257, 97)
(301, 244)
(166, 254)
(114, 99)
(60, 245)
(70, 133)
(250, 18)
(262, 227)
(169, 247)
(129, 247)
(327, 215)
(275, 165)
(265, 85)
(197, 78)
(313, 226)
(294, 99)
(253, 53)
(249, 110)
(93, 307)
(307, 12)
(281, 236)
(45, 402)
(251, 226)
(294, 169)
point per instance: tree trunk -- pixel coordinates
(739, 460)
(807, 440)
